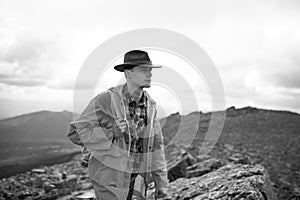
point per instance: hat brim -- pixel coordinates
(124, 66)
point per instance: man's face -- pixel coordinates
(140, 76)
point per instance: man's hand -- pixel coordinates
(119, 127)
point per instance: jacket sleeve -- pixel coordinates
(73, 135)
(159, 164)
(94, 125)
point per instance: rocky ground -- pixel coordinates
(255, 157)
(192, 177)
(48, 182)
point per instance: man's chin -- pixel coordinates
(148, 85)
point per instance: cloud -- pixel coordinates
(254, 44)
(288, 72)
(3, 76)
(22, 82)
(29, 59)
(278, 67)
(286, 79)
(70, 85)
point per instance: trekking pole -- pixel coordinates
(146, 185)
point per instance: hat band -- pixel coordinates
(138, 62)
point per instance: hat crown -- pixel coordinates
(137, 57)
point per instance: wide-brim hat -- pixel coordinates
(136, 58)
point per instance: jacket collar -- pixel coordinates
(118, 89)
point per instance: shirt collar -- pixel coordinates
(134, 96)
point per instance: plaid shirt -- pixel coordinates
(136, 114)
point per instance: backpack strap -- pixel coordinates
(117, 109)
(115, 106)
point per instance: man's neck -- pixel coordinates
(135, 92)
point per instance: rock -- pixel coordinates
(178, 167)
(229, 147)
(63, 175)
(185, 166)
(84, 177)
(86, 186)
(239, 159)
(70, 182)
(201, 158)
(24, 195)
(233, 181)
(7, 195)
(38, 183)
(71, 179)
(204, 167)
(39, 171)
(90, 194)
(48, 187)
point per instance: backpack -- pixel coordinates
(106, 121)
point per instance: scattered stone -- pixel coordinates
(86, 186)
(230, 147)
(64, 175)
(38, 183)
(48, 187)
(39, 171)
(90, 194)
(202, 158)
(297, 191)
(239, 159)
(70, 182)
(45, 182)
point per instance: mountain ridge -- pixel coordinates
(175, 113)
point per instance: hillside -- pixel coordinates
(34, 139)
(266, 137)
(43, 125)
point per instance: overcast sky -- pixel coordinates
(255, 45)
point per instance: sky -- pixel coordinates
(254, 44)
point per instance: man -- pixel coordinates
(121, 130)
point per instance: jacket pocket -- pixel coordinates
(105, 175)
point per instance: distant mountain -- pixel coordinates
(47, 125)
(43, 125)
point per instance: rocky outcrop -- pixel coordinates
(233, 181)
(187, 166)
(203, 177)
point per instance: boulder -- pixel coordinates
(187, 165)
(233, 181)
(178, 167)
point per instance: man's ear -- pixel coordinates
(127, 73)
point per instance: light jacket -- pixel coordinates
(113, 152)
